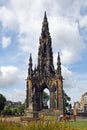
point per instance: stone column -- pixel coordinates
(60, 95)
(52, 103)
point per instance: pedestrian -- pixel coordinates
(42, 116)
(74, 113)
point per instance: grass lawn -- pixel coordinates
(10, 118)
(79, 124)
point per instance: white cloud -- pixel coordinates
(17, 95)
(66, 72)
(6, 41)
(77, 87)
(74, 84)
(68, 56)
(10, 76)
(8, 18)
(25, 18)
(66, 37)
(69, 80)
(83, 21)
(27, 21)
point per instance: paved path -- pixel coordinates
(81, 118)
(78, 118)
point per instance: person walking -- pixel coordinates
(74, 113)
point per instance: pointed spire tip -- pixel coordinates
(30, 55)
(58, 54)
(30, 58)
(45, 13)
(45, 16)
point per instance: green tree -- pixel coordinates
(2, 102)
(21, 108)
(7, 110)
(67, 100)
(14, 111)
(45, 96)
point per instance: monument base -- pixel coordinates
(51, 112)
(58, 112)
(31, 113)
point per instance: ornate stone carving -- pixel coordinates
(44, 75)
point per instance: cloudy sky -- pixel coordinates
(20, 29)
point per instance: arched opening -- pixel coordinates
(46, 98)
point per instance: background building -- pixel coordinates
(83, 102)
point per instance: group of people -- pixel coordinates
(67, 115)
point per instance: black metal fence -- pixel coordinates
(82, 114)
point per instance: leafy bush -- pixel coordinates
(8, 110)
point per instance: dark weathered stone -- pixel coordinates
(44, 76)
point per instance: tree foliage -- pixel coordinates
(21, 108)
(67, 100)
(45, 96)
(8, 110)
(2, 102)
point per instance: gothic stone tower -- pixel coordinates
(44, 76)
